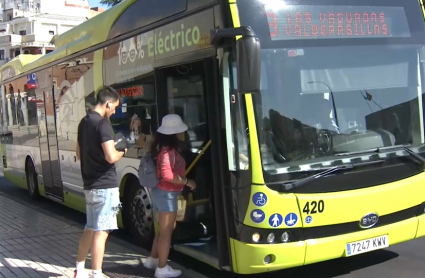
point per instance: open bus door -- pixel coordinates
(49, 152)
(190, 90)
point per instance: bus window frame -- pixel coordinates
(229, 75)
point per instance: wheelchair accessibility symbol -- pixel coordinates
(259, 199)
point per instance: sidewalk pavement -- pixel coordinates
(35, 244)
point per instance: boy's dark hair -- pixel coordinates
(107, 93)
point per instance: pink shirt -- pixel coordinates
(169, 164)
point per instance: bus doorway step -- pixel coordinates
(204, 249)
(187, 232)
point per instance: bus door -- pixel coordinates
(182, 91)
(52, 180)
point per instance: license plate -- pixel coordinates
(366, 245)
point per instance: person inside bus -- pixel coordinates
(171, 171)
(186, 144)
(135, 128)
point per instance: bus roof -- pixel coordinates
(17, 65)
(127, 16)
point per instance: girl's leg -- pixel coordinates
(154, 251)
(152, 261)
(166, 227)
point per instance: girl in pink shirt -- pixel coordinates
(171, 171)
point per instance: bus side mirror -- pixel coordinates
(248, 51)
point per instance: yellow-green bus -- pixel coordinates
(306, 123)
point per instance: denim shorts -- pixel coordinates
(164, 201)
(102, 207)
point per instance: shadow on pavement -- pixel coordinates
(128, 272)
(329, 269)
(338, 267)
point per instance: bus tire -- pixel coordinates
(32, 181)
(138, 215)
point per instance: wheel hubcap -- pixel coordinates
(141, 212)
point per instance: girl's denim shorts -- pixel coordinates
(164, 201)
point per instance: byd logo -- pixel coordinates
(369, 220)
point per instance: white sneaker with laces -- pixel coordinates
(151, 263)
(167, 272)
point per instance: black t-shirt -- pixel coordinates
(97, 173)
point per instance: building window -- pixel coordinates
(2, 54)
(22, 32)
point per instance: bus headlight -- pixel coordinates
(256, 237)
(285, 237)
(270, 238)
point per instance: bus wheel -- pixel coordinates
(140, 213)
(32, 181)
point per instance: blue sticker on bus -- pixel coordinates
(291, 219)
(275, 220)
(259, 199)
(309, 219)
(258, 216)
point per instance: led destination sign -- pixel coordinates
(294, 22)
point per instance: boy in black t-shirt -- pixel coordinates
(97, 154)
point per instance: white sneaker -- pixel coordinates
(97, 275)
(167, 272)
(151, 263)
(81, 274)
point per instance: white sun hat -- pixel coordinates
(172, 124)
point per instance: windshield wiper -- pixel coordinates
(289, 185)
(294, 184)
(375, 150)
(419, 159)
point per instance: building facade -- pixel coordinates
(29, 26)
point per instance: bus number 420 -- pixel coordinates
(316, 207)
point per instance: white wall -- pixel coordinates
(66, 27)
(66, 7)
(44, 25)
(47, 27)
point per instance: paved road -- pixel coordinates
(400, 261)
(40, 239)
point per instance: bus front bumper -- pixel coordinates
(250, 258)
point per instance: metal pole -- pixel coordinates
(333, 99)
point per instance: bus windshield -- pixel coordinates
(336, 78)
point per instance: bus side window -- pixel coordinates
(136, 117)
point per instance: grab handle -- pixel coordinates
(198, 157)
